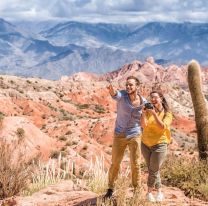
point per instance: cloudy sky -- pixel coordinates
(115, 11)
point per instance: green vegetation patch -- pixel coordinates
(188, 175)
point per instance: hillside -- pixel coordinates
(75, 115)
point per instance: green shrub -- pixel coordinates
(99, 109)
(83, 106)
(70, 118)
(188, 175)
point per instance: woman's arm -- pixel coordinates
(159, 122)
(165, 122)
(143, 120)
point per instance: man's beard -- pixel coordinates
(131, 91)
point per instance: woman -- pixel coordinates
(155, 121)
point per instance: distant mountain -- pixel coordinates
(6, 27)
(53, 49)
(76, 59)
(86, 34)
(35, 27)
(171, 41)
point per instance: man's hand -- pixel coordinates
(111, 90)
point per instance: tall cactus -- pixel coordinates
(200, 108)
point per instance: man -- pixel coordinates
(127, 131)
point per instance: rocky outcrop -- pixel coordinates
(66, 193)
(63, 194)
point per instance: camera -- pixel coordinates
(148, 105)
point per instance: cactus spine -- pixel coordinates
(200, 108)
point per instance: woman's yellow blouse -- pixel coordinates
(153, 134)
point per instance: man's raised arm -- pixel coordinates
(111, 90)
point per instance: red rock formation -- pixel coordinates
(77, 115)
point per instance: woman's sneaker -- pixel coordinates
(159, 197)
(150, 197)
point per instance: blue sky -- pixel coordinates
(114, 11)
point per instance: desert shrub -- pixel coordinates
(54, 154)
(43, 116)
(62, 138)
(83, 106)
(1, 116)
(99, 109)
(69, 143)
(85, 147)
(69, 132)
(188, 175)
(15, 171)
(64, 148)
(67, 117)
(20, 133)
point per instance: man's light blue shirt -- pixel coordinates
(128, 116)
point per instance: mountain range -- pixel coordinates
(54, 49)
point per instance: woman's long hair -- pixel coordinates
(164, 101)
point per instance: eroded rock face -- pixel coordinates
(32, 139)
(78, 113)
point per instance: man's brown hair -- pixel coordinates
(136, 80)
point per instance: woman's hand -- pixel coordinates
(151, 111)
(157, 119)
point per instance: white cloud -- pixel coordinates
(107, 10)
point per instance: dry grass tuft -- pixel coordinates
(50, 173)
(96, 180)
(15, 170)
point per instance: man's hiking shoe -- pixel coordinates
(108, 194)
